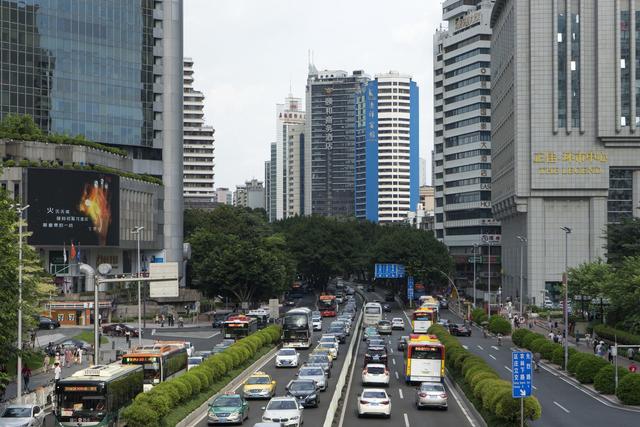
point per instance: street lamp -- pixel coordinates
(475, 251)
(20, 210)
(137, 230)
(523, 241)
(489, 276)
(565, 280)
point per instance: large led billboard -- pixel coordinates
(73, 206)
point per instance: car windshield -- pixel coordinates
(431, 387)
(302, 386)
(287, 352)
(374, 395)
(16, 413)
(384, 323)
(227, 401)
(317, 359)
(195, 360)
(258, 380)
(375, 369)
(311, 372)
(326, 345)
(276, 405)
(397, 319)
(376, 351)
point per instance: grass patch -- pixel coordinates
(30, 359)
(180, 413)
(88, 337)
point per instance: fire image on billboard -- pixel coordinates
(73, 206)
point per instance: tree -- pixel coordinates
(624, 295)
(623, 240)
(590, 279)
(13, 125)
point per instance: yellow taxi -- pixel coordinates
(260, 385)
(320, 350)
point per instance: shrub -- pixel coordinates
(558, 354)
(202, 377)
(196, 384)
(507, 407)
(518, 335)
(547, 349)
(605, 380)
(160, 402)
(471, 362)
(140, 415)
(588, 368)
(481, 375)
(537, 344)
(496, 393)
(225, 358)
(183, 383)
(486, 388)
(532, 408)
(169, 389)
(217, 366)
(528, 339)
(612, 334)
(235, 356)
(574, 360)
(458, 360)
(629, 389)
(499, 325)
(478, 315)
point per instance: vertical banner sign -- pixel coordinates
(521, 374)
(410, 288)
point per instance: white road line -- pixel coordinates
(391, 350)
(495, 348)
(454, 393)
(480, 347)
(406, 420)
(466, 347)
(401, 395)
(397, 376)
(534, 387)
(508, 368)
(394, 361)
(561, 407)
(493, 357)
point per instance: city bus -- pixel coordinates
(261, 315)
(96, 396)
(327, 305)
(372, 314)
(422, 319)
(427, 301)
(424, 359)
(239, 326)
(159, 362)
(297, 328)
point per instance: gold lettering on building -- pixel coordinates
(570, 162)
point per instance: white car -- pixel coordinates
(285, 410)
(22, 415)
(317, 323)
(331, 347)
(374, 401)
(397, 323)
(287, 358)
(375, 373)
(330, 338)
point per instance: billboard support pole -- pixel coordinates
(90, 275)
(136, 230)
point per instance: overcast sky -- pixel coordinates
(248, 53)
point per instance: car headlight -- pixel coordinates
(312, 396)
(234, 415)
(295, 417)
(266, 419)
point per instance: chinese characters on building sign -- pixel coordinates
(570, 163)
(328, 121)
(61, 218)
(467, 20)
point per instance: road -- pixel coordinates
(313, 417)
(562, 403)
(403, 409)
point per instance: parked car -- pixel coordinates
(384, 327)
(375, 373)
(260, 385)
(119, 330)
(402, 342)
(431, 394)
(305, 392)
(287, 358)
(397, 323)
(459, 330)
(375, 355)
(45, 322)
(374, 401)
(228, 408)
(314, 374)
(283, 408)
(22, 415)
(74, 343)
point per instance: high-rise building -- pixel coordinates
(197, 143)
(224, 196)
(462, 143)
(330, 141)
(270, 177)
(267, 187)
(565, 127)
(290, 127)
(249, 195)
(109, 71)
(387, 169)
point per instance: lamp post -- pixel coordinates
(565, 280)
(136, 230)
(20, 210)
(489, 276)
(475, 251)
(523, 242)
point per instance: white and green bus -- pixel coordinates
(95, 396)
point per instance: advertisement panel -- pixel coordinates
(67, 206)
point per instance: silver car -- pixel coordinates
(431, 394)
(314, 373)
(22, 415)
(384, 327)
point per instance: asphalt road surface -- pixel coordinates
(563, 404)
(313, 417)
(403, 409)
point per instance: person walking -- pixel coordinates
(57, 372)
(26, 376)
(45, 363)
(56, 358)
(80, 355)
(633, 368)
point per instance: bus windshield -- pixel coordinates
(236, 330)
(372, 309)
(295, 335)
(422, 315)
(80, 404)
(300, 321)
(327, 302)
(151, 373)
(426, 352)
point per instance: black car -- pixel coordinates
(375, 355)
(45, 322)
(459, 330)
(402, 342)
(339, 332)
(444, 303)
(305, 392)
(119, 330)
(386, 308)
(289, 303)
(389, 297)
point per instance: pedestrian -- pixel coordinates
(556, 338)
(555, 324)
(551, 335)
(68, 357)
(633, 368)
(57, 372)
(595, 346)
(127, 335)
(56, 359)
(609, 355)
(550, 325)
(80, 355)
(157, 319)
(26, 376)
(516, 321)
(45, 363)
(630, 353)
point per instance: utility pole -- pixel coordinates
(475, 250)
(565, 280)
(136, 230)
(20, 210)
(489, 276)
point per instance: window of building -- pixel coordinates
(562, 72)
(620, 201)
(575, 70)
(637, 65)
(467, 138)
(471, 196)
(625, 69)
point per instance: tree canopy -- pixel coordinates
(623, 240)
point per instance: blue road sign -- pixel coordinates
(521, 373)
(410, 288)
(389, 271)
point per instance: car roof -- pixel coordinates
(283, 398)
(259, 374)
(375, 365)
(374, 389)
(229, 394)
(376, 347)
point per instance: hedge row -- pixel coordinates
(499, 325)
(488, 391)
(585, 367)
(479, 316)
(613, 334)
(148, 409)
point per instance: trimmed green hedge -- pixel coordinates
(629, 389)
(518, 335)
(605, 380)
(499, 325)
(611, 334)
(482, 384)
(574, 361)
(148, 409)
(589, 367)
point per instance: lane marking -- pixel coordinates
(493, 357)
(397, 377)
(480, 347)
(357, 337)
(534, 387)
(508, 368)
(406, 420)
(495, 348)
(454, 393)
(561, 407)
(466, 347)
(401, 395)
(394, 361)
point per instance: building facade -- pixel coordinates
(198, 144)
(564, 131)
(270, 177)
(330, 141)
(290, 127)
(267, 187)
(109, 71)
(250, 195)
(224, 196)
(462, 143)
(387, 167)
